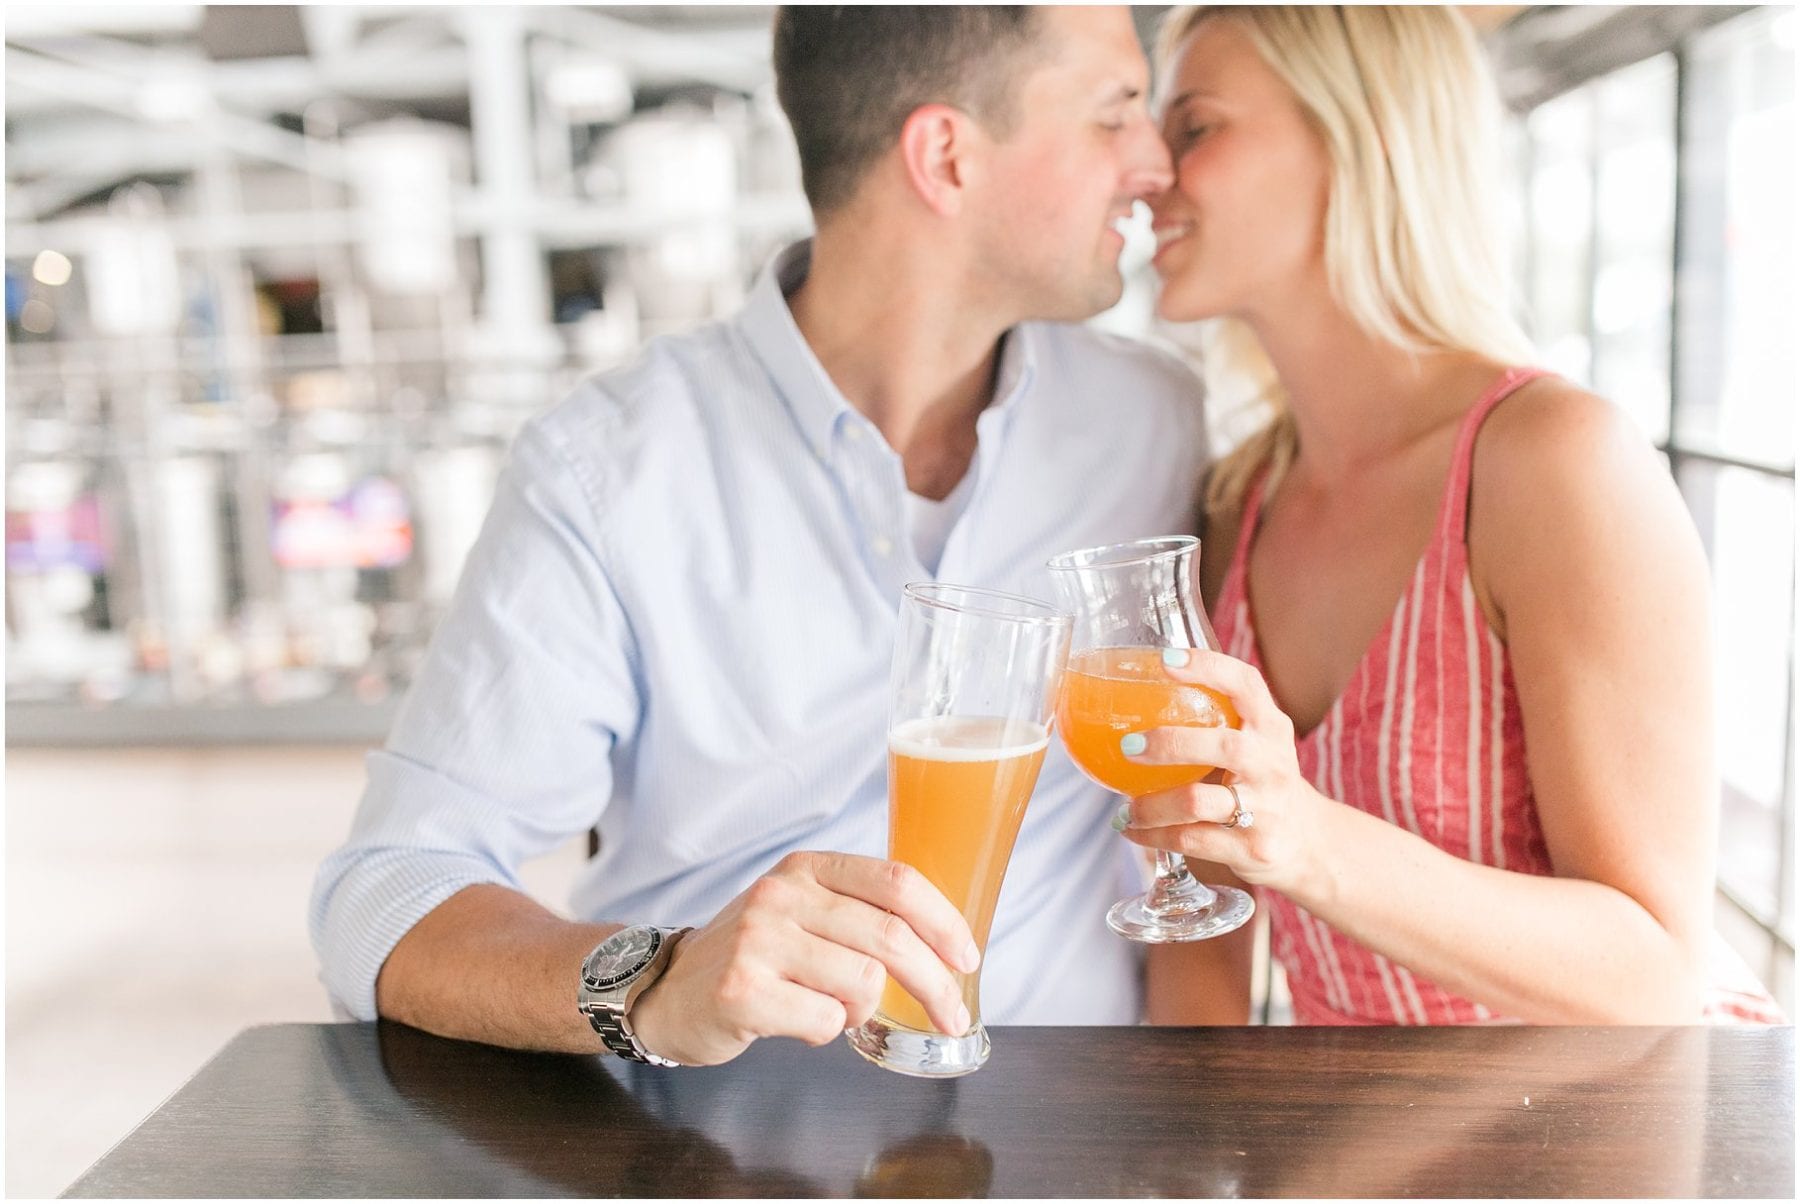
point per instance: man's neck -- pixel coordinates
(903, 345)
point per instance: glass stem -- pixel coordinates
(1173, 883)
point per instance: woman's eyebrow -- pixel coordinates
(1174, 104)
(1181, 98)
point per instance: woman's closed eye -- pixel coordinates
(1188, 133)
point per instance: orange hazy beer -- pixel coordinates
(1107, 692)
(957, 789)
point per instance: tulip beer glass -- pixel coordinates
(1131, 601)
(973, 687)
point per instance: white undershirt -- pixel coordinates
(930, 522)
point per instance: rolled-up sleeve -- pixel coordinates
(504, 747)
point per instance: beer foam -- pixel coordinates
(967, 738)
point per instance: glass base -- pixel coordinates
(923, 1055)
(1184, 915)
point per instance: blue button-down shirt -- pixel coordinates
(677, 623)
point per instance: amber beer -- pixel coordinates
(972, 695)
(1131, 602)
(957, 789)
(1108, 692)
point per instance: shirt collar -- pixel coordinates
(1018, 368)
(768, 324)
(802, 382)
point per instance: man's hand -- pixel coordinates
(805, 952)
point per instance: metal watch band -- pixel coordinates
(615, 1033)
(614, 1027)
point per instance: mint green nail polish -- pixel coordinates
(1132, 743)
(1175, 658)
(1122, 818)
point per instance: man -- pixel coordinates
(677, 623)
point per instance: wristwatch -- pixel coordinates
(621, 968)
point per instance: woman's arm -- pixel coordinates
(1585, 558)
(1203, 982)
(1589, 566)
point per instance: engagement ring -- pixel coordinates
(1241, 816)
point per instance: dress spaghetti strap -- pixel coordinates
(1455, 511)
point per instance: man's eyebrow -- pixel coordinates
(1121, 93)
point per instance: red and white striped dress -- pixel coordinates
(1427, 735)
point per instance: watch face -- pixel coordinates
(621, 956)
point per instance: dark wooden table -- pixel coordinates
(385, 1110)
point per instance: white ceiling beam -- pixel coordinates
(111, 93)
(416, 59)
(61, 20)
(726, 59)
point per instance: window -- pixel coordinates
(1658, 208)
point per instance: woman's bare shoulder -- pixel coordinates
(1565, 479)
(1555, 443)
(1551, 417)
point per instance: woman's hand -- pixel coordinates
(1274, 844)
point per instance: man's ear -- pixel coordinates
(936, 148)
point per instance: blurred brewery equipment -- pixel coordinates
(282, 283)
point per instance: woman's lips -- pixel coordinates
(1170, 235)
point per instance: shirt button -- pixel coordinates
(853, 434)
(883, 545)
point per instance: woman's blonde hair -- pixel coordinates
(1403, 101)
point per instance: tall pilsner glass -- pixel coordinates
(973, 688)
(1130, 602)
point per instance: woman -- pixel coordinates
(1464, 607)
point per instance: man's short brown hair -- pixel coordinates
(849, 76)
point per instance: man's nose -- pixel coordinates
(1149, 169)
